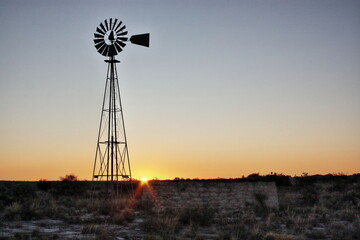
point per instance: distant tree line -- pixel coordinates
(281, 179)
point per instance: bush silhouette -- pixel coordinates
(69, 178)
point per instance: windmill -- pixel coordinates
(112, 161)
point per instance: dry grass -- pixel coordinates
(314, 210)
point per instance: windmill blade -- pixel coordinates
(102, 27)
(110, 23)
(106, 51)
(96, 41)
(120, 43)
(122, 28)
(100, 43)
(141, 39)
(100, 31)
(100, 48)
(118, 26)
(122, 34)
(98, 35)
(118, 47)
(114, 24)
(124, 39)
(112, 50)
(106, 25)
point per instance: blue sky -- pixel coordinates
(226, 88)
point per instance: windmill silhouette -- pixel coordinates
(112, 161)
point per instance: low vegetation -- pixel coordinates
(310, 207)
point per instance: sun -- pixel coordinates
(144, 180)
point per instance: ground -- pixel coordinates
(316, 207)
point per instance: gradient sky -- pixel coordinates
(227, 88)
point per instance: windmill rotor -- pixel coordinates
(110, 37)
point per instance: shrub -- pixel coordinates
(309, 195)
(202, 216)
(109, 206)
(339, 185)
(69, 186)
(279, 179)
(91, 229)
(235, 231)
(102, 232)
(23, 191)
(27, 212)
(261, 208)
(13, 211)
(352, 197)
(164, 226)
(5, 196)
(69, 178)
(146, 205)
(261, 198)
(254, 177)
(349, 215)
(126, 215)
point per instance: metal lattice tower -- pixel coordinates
(112, 155)
(112, 161)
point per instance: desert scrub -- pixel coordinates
(351, 197)
(19, 211)
(350, 215)
(260, 207)
(44, 185)
(202, 216)
(341, 231)
(23, 192)
(240, 231)
(123, 216)
(161, 226)
(99, 231)
(147, 206)
(279, 236)
(108, 206)
(13, 211)
(234, 230)
(16, 192)
(5, 198)
(242, 225)
(118, 210)
(309, 195)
